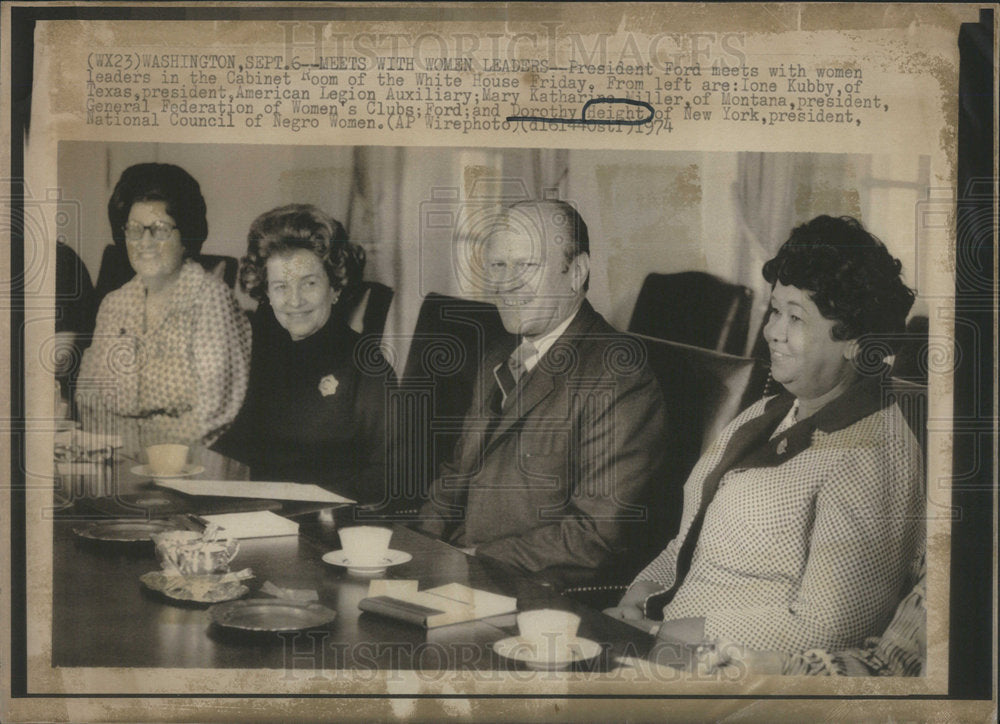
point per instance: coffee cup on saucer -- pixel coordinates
(365, 545)
(548, 641)
(548, 625)
(167, 459)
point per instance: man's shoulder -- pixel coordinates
(598, 349)
(602, 332)
(589, 328)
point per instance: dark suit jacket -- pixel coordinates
(563, 472)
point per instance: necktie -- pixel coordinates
(510, 372)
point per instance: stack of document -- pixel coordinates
(259, 524)
(441, 606)
(255, 489)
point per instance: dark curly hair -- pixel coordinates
(161, 182)
(850, 276)
(300, 226)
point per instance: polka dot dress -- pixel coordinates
(813, 552)
(181, 381)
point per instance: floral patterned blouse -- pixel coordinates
(181, 381)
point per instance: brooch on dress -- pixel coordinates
(328, 385)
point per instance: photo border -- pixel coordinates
(972, 656)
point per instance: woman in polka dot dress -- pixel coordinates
(170, 357)
(802, 521)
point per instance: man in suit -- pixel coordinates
(564, 433)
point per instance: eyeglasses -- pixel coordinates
(520, 270)
(159, 230)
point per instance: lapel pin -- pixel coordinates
(328, 385)
(782, 446)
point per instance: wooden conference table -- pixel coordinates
(104, 617)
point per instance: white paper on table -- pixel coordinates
(254, 489)
(256, 524)
(458, 603)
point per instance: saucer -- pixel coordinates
(547, 655)
(124, 530)
(262, 615)
(391, 558)
(187, 471)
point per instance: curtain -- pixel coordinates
(765, 192)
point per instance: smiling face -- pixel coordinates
(535, 288)
(805, 358)
(154, 261)
(300, 292)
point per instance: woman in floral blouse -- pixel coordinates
(802, 521)
(315, 408)
(170, 357)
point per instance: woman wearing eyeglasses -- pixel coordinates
(171, 351)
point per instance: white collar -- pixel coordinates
(543, 343)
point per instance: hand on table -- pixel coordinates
(732, 661)
(683, 630)
(679, 643)
(630, 609)
(722, 658)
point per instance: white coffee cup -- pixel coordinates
(365, 544)
(167, 459)
(548, 624)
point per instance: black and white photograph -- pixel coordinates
(452, 371)
(557, 378)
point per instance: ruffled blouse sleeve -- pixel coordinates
(220, 354)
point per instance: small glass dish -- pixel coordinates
(193, 554)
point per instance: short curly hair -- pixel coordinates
(300, 226)
(161, 182)
(849, 274)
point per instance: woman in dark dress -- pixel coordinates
(315, 407)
